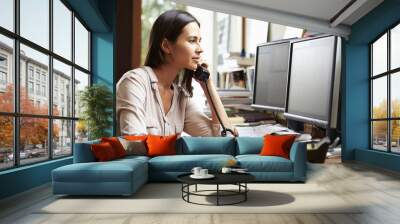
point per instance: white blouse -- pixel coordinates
(140, 110)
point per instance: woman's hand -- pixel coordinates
(202, 83)
(235, 132)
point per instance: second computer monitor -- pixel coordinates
(314, 81)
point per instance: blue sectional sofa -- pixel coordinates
(125, 176)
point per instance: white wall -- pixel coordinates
(256, 33)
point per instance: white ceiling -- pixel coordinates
(320, 9)
(315, 15)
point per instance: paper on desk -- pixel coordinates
(261, 130)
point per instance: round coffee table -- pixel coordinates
(238, 179)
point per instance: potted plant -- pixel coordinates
(96, 104)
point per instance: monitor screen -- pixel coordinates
(271, 76)
(311, 77)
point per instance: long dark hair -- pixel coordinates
(169, 25)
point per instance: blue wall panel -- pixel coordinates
(103, 59)
(356, 89)
(27, 177)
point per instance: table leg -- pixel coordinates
(182, 188)
(217, 194)
(245, 193)
(188, 189)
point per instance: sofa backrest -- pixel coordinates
(190, 146)
(205, 145)
(83, 153)
(249, 145)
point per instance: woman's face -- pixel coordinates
(185, 52)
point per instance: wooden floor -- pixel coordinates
(378, 188)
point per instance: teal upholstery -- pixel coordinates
(83, 152)
(119, 177)
(257, 163)
(298, 155)
(248, 148)
(249, 145)
(183, 164)
(125, 176)
(206, 145)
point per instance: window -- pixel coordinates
(3, 61)
(30, 87)
(3, 78)
(62, 29)
(3, 72)
(7, 14)
(55, 99)
(38, 74)
(62, 75)
(81, 81)
(34, 25)
(54, 125)
(43, 90)
(30, 72)
(385, 94)
(38, 89)
(7, 76)
(81, 45)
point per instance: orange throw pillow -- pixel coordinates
(135, 137)
(116, 145)
(277, 145)
(103, 151)
(161, 145)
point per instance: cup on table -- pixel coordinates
(203, 172)
(226, 170)
(196, 170)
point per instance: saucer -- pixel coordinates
(208, 176)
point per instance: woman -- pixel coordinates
(157, 98)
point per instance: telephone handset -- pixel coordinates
(201, 73)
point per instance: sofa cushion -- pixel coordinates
(277, 145)
(185, 163)
(206, 145)
(111, 171)
(161, 145)
(257, 163)
(103, 152)
(116, 145)
(248, 145)
(135, 137)
(134, 147)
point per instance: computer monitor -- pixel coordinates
(314, 81)
(270, 80)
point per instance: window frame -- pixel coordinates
(388, 74)
(16, 114)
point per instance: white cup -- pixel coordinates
(226, 170)
(203, 172)
(196, 170)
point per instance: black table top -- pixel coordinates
(220, 178)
